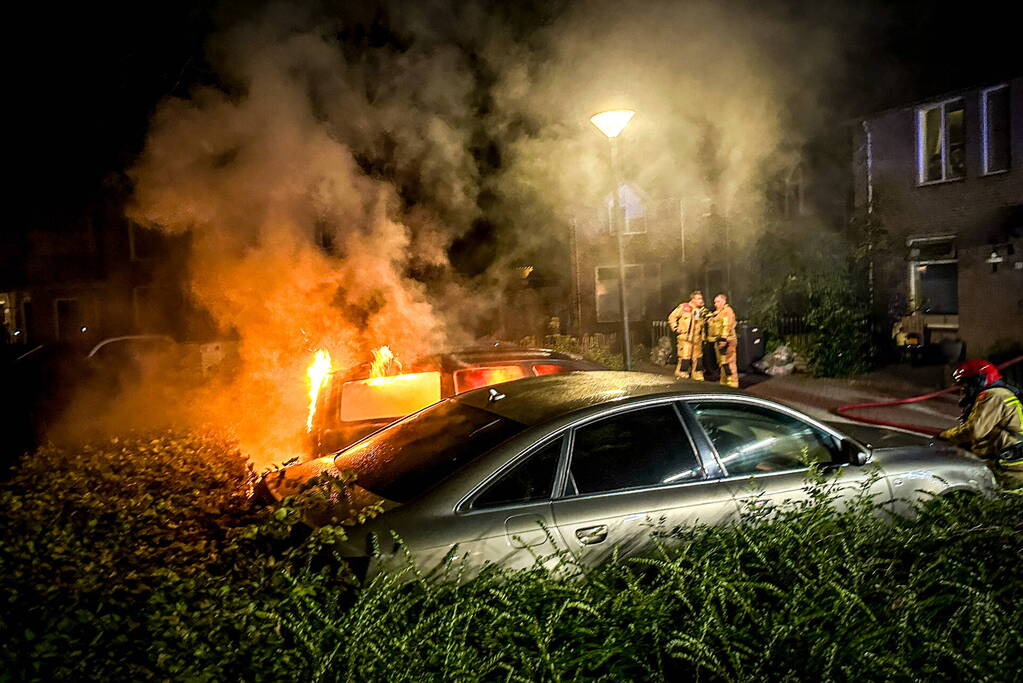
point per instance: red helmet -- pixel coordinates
(985, 373)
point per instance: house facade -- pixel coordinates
(943, 180)
(666, 245)
(81, 278)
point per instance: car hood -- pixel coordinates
(882, 437)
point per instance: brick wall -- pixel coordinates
(977, 209)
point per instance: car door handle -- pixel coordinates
(592, 534)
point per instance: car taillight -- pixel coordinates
(548, 369)
(473, 378)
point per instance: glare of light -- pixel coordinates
(17, 333)
(318, 371)
(612, 123)
(83, 328)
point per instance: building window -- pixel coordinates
(994, 111)
(143, 243)
(934, 275)
(635, 225)
(68, 319)
(941, 142)
(642, 291)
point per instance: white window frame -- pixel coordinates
(914, 264)
(921, 139)
(985, 133)
(794, 179)
(635, 220)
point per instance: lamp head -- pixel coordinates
(612, 123)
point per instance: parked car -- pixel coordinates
(590, 462)
(352, 405)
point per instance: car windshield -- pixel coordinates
(414, 455)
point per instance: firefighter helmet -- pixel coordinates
(976, 371)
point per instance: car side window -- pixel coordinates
(751, 439)
(646, 447)
(529, 481)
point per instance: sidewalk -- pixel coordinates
(819, 396)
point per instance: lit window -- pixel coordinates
(941, 140)
(642, 286)
(994, 104)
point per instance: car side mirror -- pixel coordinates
(852, 453)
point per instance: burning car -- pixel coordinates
(351, 404)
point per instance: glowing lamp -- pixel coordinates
(612, 123)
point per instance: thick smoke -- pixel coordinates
(330, 169)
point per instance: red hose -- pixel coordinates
(842, 410)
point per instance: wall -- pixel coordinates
(976, 209)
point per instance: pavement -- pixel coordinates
(820, 396)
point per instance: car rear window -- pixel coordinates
(468, 379)
(412, 456)
(388, 397)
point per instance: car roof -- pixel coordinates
(162, 338)
(538, 399)
(449, 361)
(483, 355)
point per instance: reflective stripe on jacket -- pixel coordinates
(994, 424)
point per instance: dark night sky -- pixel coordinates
(91, 76)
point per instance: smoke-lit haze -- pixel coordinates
(331, 169)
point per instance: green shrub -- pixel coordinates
(141, 558)
(809, 594)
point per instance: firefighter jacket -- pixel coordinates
(687, 322)
(722, 324)
(995, 423)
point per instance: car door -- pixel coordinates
(508, 519)
(631, 476)
(766, 452)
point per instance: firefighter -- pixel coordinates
(992, 421)
(721, 331)
(687, 321)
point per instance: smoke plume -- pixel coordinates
(342, 159)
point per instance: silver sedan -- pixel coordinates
(585, 463)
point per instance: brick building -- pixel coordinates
(667, 251)
(92, 274)
(944, 179)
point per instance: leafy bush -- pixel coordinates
(810, 594)
(141, 558)
(596, 347)
(823, 278)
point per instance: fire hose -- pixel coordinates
(843, 410)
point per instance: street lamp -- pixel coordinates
(611, 124)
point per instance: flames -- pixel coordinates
(318, 371)
(385, 364)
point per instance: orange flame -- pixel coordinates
(384, 363)
(317, 373)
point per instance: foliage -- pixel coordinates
(141, 558)
(594, 347)
(822, 279)
(807, 594)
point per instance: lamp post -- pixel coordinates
(611, 124)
